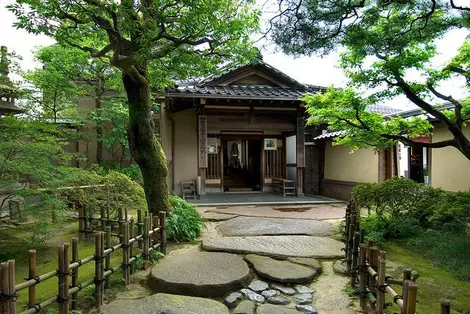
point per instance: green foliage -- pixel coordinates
(183, 221)
(133, 171)
(383, 43)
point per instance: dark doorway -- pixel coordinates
(242, 165)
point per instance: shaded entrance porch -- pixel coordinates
(258, 198)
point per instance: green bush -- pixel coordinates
(452, 211)
(183, 221)
(379, 228)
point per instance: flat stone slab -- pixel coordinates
(280, 271)
(198, 273)
(282, 246)
(274, 309)
(166, 303)
(256, 226)
(211, 216)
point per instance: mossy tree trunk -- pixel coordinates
(143, 144)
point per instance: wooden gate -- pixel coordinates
(313, 173)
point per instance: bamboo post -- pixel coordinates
(349, 248)
(4, 288)
(74, 272)
(406, 286)
(381, 286)
(131, 235)
(139, 225)
(406, 277)
(121, 221)
(60, 274)
(66, 277)
(81, 223)
(99, 269)
(355, 254)
(411, 300)
(445, 307)
(374, 262)
(145, 237)
(126, 216)
(150, 228)
(163, 232)
(362, 275)
(108, 257)
(125, 253)
(11, 286)
(155, 225)
(32, 275)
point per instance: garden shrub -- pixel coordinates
(452, 211)
(183, 221)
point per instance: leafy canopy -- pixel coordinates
(384, 42)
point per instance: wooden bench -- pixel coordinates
(188, 189)
(284, 186)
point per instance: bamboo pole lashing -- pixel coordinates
(74, 296)
(32, 275)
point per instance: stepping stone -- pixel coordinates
(303, 289)
(280, 271)
(258, 285)
(307, 309)
(198, 273)
(258, 226)
(270, 293)
(303, 298)
(310, 262)
(231, 300)
(288, 246)
(211, 216)
(340, 268)
(274, 309)
(253, 296)
(283, 289)
(245, 307)
(133, 292)
(278, 300)
(166, 303)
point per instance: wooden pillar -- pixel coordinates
(202, 146)
(300, 151)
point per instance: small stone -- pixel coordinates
(283, 289)
(252, 296)
(303, 289)
(303, 298)
(278, 300)
(231, 300)
(258, 285)
(270, 293)
(274, 309)
(307, 309)
(245, 307)
(340, 268)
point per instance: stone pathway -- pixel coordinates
(250, 265)
(281, 246)
(256, 226)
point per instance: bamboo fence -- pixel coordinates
(151, 237)
(366, 265)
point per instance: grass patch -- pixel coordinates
(434, 283)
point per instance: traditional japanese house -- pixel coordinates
(239, 131)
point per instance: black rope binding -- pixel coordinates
(396, 298)
(60, 300)
(37, 307)
(6, 297)
(63, 273)
(382, 288)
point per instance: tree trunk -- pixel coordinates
(144, 147)
(463, 144)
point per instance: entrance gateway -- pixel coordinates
(237, 131)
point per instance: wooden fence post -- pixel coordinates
(406, 286)
(145, 238)
(61, 296)
(362, 275)
(66, 277)
(445, 307)
(139, 226)
(108, 257)
(121, 221)
(155, 225)
(373, 262)
(349, 248)
(131, 235)
(99, 269)
(411, 298)
(125, 253)
(11, 286)
(355, 254)
(74, 273)
(381, 286)
(163, 231)
(102, 219)
(32, 275)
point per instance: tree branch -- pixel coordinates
(457, 104)
(410, 142)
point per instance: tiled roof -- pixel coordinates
(244, 91)
(383, 109)
(329, 135)
(9, 107)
